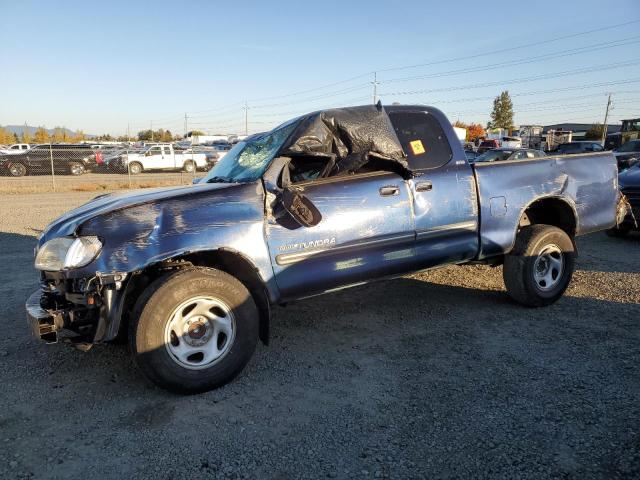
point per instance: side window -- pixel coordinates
(521, 155)
(530, 154)
(422, 139)
(155, 151)
(167, 151)
(597, 147)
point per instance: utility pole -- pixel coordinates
(128, 133)
(152, 130)
(185, 125)
(246, 118)
(606, 118)
(375, 87)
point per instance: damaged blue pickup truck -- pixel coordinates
(328, 200)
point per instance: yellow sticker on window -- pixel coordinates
(416, 147)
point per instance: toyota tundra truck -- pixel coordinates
(331, 199)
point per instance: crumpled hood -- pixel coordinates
(630, 177)
(68, 223)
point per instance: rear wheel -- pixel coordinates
(196, 329)
(76, 168)
(539, 269)
(189, 167)
(135, 168)
(17, 170)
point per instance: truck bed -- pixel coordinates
(586, 183)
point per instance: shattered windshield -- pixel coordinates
(248, 159)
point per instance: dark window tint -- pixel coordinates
(422, 139)
(597, 147)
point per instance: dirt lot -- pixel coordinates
(436, 375)
(91, 182)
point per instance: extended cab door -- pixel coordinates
(444, 192)
(366, 231)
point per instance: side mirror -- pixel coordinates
(300, 208)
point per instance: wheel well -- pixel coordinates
(550, 211)
(228, 261)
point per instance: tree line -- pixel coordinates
(501, 117)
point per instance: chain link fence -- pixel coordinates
(85, 167)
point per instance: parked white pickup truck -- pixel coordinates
(163, 157)
(16, 148)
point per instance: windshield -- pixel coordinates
(248, 159)
(493, 155)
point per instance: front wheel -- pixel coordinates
(76, 168)
(195, 330)
(539, 268)
(17, 170)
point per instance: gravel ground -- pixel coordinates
(436, 375)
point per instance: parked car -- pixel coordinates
(327, 200)
(470, 155)
(15, 148)
(584, 146)
(628, 154)
(503, 154)
(162, 157)
(74, 159)
(629, 182)
(488, 145)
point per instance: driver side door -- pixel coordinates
(366, 230)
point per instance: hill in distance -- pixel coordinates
(32, 130)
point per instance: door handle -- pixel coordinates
(424, 187)
(389, 190)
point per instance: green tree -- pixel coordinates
(595, 132)
(145, 135)
(502, 114)
(195, 133)
(41, 136)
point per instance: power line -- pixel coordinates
(520, 80)
(548, 56)
(509, 49)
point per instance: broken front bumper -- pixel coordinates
(89, 315)
(44, 324)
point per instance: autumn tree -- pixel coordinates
(26, 135)
(475, 131)
(78, 136)
(594, 132)
(502, 114)
(6, 137)
(41, 135)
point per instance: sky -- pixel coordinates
(104, 67)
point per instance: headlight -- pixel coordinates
(62, 253)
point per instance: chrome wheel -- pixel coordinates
(189, 167)
(548, 267)
(199, 332)
(77, 169)
(17, 170)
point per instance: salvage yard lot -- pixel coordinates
(431, 375)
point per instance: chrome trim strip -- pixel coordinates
(442, 229)
(290, 258)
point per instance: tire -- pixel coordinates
(171, 339)
(189, 167)
(618, 232)
(528, 271)
(76, 169)
(135, 168)
(17, 170)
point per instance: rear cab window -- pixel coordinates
(422, 138)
